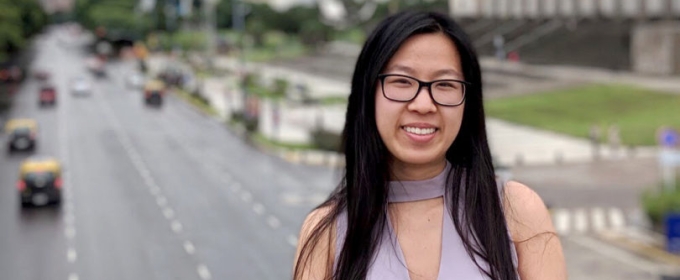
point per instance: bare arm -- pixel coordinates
(539, 250)
(316, 260)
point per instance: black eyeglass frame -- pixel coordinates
(422, 84)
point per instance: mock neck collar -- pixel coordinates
(407, 191)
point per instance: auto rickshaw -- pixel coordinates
(154, 90)
(22, 134)
(40, 181)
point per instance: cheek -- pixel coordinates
(386, 116)
(454, 121)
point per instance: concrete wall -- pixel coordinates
(655, 48)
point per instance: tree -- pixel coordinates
(19, 20)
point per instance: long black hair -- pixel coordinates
(362, 192)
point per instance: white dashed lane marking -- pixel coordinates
(161, 201)
(203, 272)
(246, 196)
(73, 276)
(71, 255)
(292, 240)
(176, 226)
(189, 247)
(70, 232)
(258, 208)
(168, 213)
(273, 222)
(69, 219)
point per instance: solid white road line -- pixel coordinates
(614, 253)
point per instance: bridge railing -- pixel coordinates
(535, 9)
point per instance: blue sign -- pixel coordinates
(673, 233)
(669, 138)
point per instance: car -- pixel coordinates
(41, 74)
(40, 181)
(97, 66)
(22, 134)
(47, 95)
(154, 90)
(135, 81)
(81, 87)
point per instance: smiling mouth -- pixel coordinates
(420, 131)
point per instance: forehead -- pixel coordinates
(427, 54)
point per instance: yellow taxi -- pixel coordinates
(22, 134)
(154, 90)
(40, 182)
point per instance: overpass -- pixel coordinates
(637, 35)
(537, 9)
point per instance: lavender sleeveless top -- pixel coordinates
(389, 262)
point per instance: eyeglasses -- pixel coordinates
(402, 88)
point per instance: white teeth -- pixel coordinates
(420, 131)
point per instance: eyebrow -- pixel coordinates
(438, 73)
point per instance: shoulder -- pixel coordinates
(313, 220)
(538, 246)
(525, 212)
(315, 254)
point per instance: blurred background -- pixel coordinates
(188, 139)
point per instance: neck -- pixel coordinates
(401, 171)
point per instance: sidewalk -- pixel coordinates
(511, 144)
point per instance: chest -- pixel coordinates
(418, 231)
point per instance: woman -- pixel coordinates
(416, 149)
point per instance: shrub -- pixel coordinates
(326, 140)
(657, 204)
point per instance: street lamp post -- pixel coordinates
(239, 23)
(209, 11)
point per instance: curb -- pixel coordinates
(307, 157)
(652, 248)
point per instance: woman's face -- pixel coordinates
(419, 132)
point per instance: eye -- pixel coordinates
(448, 85)
(400, 81)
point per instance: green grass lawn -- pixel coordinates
(637, 112)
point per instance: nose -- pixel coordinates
(423, 102)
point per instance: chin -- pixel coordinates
(418, 158)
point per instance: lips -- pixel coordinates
(420, 133)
